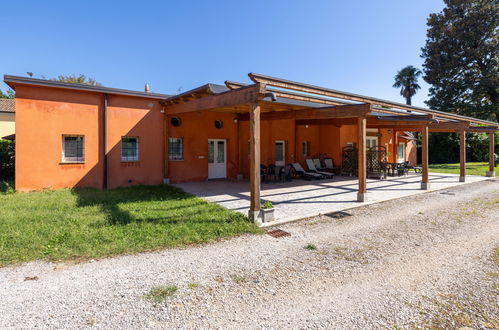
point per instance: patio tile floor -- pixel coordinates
(302, 199)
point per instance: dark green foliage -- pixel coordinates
(444, 147)
(6, 159)
(461, 61)
(80, 79)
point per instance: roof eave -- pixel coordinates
(11, 81)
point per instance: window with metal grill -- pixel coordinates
(129, 149)
(175, 149)
(73, 149)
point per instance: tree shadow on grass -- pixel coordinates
(178, 206)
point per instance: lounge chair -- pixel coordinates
(306, 174)
(329, 162)
(312, 168)
(318, 165)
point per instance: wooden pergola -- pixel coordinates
(313, 105)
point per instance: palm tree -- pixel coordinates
(407, 80)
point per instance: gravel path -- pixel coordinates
(423, 261)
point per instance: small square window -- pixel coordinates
(175, 149)
(129, 149)
(73, 149)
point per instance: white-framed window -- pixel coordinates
(73, 149)
(401, 152)
(175, 149)
(129, 148)
(305, 148)
(371, 141)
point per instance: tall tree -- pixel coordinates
(407, 80)
(80, 79)
(461, 58)
(9, 94)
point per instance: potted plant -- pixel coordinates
(267, 212)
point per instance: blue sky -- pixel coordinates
(355, 45)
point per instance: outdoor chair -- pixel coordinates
(329, 162)
(270, 172)
(306, 174)
(312, 168)
(402, 169)
(318, 165)
(409, 167)
(264, 173)
(278, 170)
(287, 173)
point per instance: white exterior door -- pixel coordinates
(217, 159)
(280, 153)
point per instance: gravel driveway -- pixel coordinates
(423, 261)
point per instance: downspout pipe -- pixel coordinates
(104, 138)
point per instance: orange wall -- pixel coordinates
(44, 114)
(135, 117)
(195, 130)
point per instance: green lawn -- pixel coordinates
(91, 223)
(471, 168)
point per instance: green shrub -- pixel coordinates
(267, 205)
(6, 159)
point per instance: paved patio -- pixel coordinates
(302, 199)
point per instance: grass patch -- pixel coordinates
(93, 223)
(478, 168)
(239, 279)
(160, 293)
(310, 247)
(193, 285)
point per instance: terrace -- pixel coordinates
(301, 199)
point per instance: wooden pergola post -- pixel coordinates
(424, 159)
(462, 155)
(361, 123)
(254, 125)
(394, 146)
(491, 172)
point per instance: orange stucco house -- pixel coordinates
(71, 135)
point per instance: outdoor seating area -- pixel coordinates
(317, 169)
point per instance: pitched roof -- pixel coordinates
(8, 105)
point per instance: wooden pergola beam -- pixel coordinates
(339, 111)
(482, 129)
(373, 122)
(305, 88)
(334, 121)
(317, 99)
(245, 95)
